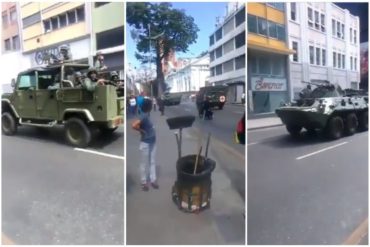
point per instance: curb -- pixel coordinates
(265, 127)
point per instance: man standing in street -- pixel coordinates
(91, 81)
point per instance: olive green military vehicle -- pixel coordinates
(50, 96)
(172, 99)
(327, 108)
(216, 96)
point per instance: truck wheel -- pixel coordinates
(335, 127)
(364, 121)
(77, 132)
(351, 124)
(9, 124)
(107, 131)
(294, 130)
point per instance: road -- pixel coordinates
(55, 194)
(307, 190)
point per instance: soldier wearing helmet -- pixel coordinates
(99, 63)
(92, 81)
(65, 54)
(78, 80)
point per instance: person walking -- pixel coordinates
(147, 147)
(132, 105)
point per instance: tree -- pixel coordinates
(162, 27)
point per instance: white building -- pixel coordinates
(327, 44)
(190, 77)
(227, 52)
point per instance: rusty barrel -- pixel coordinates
(192, 192)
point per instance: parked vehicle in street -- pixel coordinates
(172, 99)
(215, 94)
(50, 96)
(327, 108)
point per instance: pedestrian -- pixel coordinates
(160, 102)
(147, 147)
(132, 105)
(154, 104)
(139, 102)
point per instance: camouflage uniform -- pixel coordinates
(88, 83)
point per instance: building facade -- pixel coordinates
(227, 52)
(268, 50)
(326, 43)
(190, 77)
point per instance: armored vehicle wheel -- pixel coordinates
(311, 131)
(294, 130)
(335, 127)
(351, 124)
(77, 132)
(9, 124)
(364, 121)
(106, 131)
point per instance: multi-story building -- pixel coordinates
(227, 52)
(189, 77)
(47, 26)
(108, 33)
(326, 40)
(11, 56)
(268, 50)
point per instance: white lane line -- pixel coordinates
(252, 143)
(100, 153)
(321, 150)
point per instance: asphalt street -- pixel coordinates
(53, 193)
(308, 190)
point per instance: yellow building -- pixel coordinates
(268, 73)
(48, 25)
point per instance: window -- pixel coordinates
(252, 24)
(229, 46)
(98, 4)
(253, 64)
(15, 42)
(7, 45)
(54, 23)
(342, 31)
(317, 20)
(240, 40)
(279, 6)
(323, 55)
(318, 57)
(240, 62)
(339, 61)
(350, 35)
(333, 26)
(338, 30)
(228, 66)
(310, 17)
(334, 59)
(295, 48)
(47, 26)
(219, 52)
(110, 38)
(211, 40)
(355, 36)
(27, 81)
(219, 69)
(351, 61)
(355, 62)
(240, 17)
(229, 26)
(272, 29)
(277, 63)
(264, 65)
(343, 61)
(32, 19)
(63, 20)
(71, 17)
(5, 20)
(81, 14)
(293, 11)
(281, 32)
(219, 34)
(13, 15)
(212, 55)
(312, 55)
(262, 26)
(322, 23)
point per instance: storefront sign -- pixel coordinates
(268, 84)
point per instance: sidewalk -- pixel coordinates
(152, 217)
(260, 123)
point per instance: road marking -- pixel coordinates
(100, 153)
(321, 150)
(6, 241)
(252, 143)
(358, 234)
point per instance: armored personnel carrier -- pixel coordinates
(328, 108)
(49, 96)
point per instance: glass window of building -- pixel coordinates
(295, 48)
(15, 42)
(339, 61)
(350, 35)
(228, 66)
(312, 55)
(47, 26)
(338, 30)
(253, 64)
(71, 17)
(212, 55)
(317, 20)
(277, 65)
(351, 61)
(13, 15)
(323, 55)
(98, 4)
(262, 26)
(333, 27)
(229, 26)
(293, 11)
(264, 65)
(343, 61)
(342, 31)
(240, 40)
(355, 62)
(229, 46)
(7, 45)
(281, 32)
(211, 40)
(322, 22)
(110, 38)
(54, 23)
(219, 34)
(240, 62)
(252, 24)
(219, 52)
(63, 20)
(279, 6)
(310, 17)
(219, 69)
(272, 29)
(81, 14)
(334, 59)
(32, 19)
(4, 18)
(240, 17)
(355, 36)
(318, 56)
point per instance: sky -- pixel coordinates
(204, 15)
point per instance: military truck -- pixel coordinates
(215, 94)
(328, 108)
(171, 99)
(49, 96)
